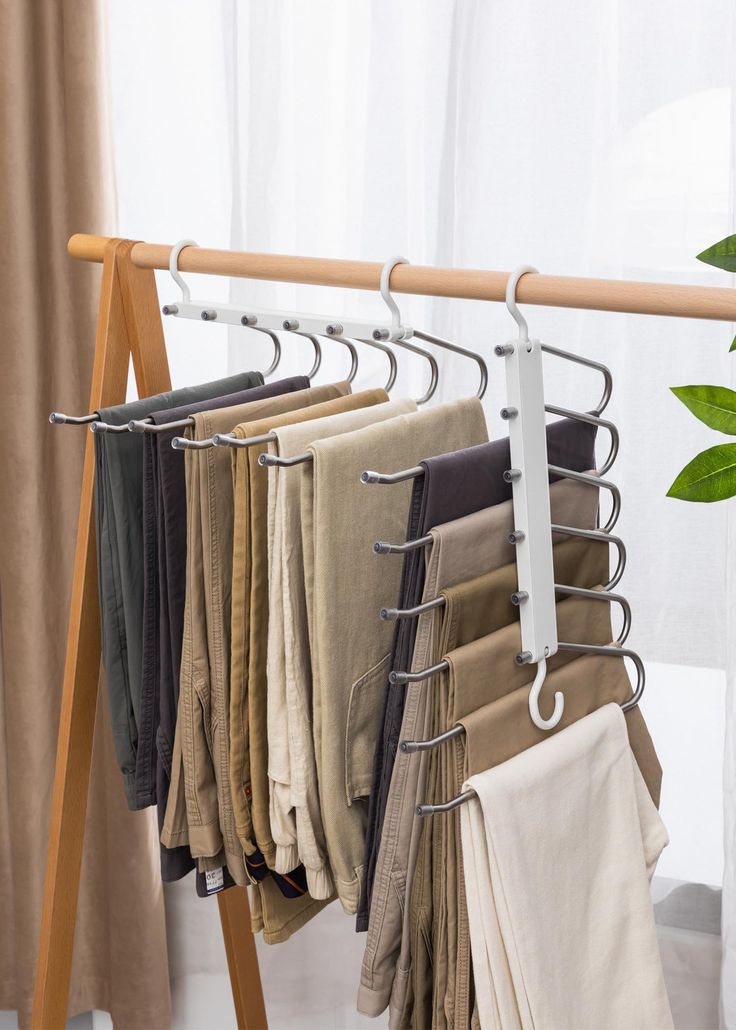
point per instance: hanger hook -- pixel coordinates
(388, 300)
(539, 721)
(511, 284)
(174, 267)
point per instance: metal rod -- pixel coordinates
(59, 419)
(228, 440)
(381, 547)
(591, 420)
(391, 477)
(396, 677)
(392, 614)
(144, 425)
(457, 349)
(577, 359)
(106, 427)
(682, 301)
(607, 596)
(445, 806)
(275, 460)
(584, 477)
(410, 747)
(605, 538)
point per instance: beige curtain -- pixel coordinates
(55, 179)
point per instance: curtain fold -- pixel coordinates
(57, 179)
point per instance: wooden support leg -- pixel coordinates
(81, 673)
(128, 323)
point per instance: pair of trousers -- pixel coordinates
(296, 820)
(467, 691)
(119, 532)
(164, 584)
(200, 808)
(459, 551)
(472, 610)
(350, 645)
(249, 752)
(566, 936)
(452, 486)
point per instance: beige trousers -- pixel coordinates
(560, 842)
(350, 646)
(296, 820)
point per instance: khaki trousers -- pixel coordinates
(350, 646)
(199, 811)
(460, 551)
(472, 610)
(250, 616)
(296, 820)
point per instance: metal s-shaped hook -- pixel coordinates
(537, 718)
(176, 274)
(511, 284)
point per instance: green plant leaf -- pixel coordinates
(721, 254)
(733, 345)
(711, 476)
(714, 405)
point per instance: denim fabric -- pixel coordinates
(453, 485)
(119, 524)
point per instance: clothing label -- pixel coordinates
(215, 880)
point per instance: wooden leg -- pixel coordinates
(128, 323)
(242, 960)
(79, 697)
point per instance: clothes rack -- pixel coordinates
(129, 325)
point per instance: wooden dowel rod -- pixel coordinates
(636, 298)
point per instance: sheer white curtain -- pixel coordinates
(591, 139)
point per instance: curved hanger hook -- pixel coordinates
(317, 355)
(539, 721)
(276, 348)
(174, 267)
(446, 345)
(511, 284)
(393, 366)
(388, 300)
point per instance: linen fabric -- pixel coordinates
(119, 524)
(296, 821)
(460, 550)
(200, 808)
(453, 485)
(249, 687)
(164, 584)
(559, 844)
(350, 664)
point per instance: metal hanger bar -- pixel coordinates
(399, 678)
(681, 301)
(391, 477)
(457, 349)
(592, 420)
(276, 461)
(603, 595)
(410, 747)
(577, 359)
(604, 537)
(182, 443)
(606, 484)
(228, 440)
(106, 427)
(145, 425)
(445, 806)
(380, 547)
(59, 419)
(392, 614)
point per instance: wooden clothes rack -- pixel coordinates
(129, 324)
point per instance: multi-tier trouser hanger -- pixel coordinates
(129, 324)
